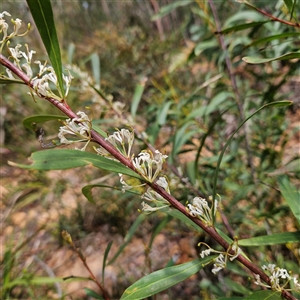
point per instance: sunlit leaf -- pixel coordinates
(291, 196)
(257, 60)
(42, 14)
(62, 159)
(95, 61)
(273, 239)
(169, 8)
(163, 279)
(137, 96)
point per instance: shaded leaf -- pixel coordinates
(108, 247)
(128, 236)
(93, 294)
(63, 159)
(87, 190)
(28, 122)
(273, 239)
(273, 37)
(264, 295)
(10, 81)
(236, 287)
(291, 196)
(241, 27)
(163, 279)
(42, 14)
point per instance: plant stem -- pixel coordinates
(63, 106)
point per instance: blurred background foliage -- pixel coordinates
(188, 109)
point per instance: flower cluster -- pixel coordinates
(200, 209)
(4, 27)
(80, 127)
(46, 76)
(154, 198)
(149, 164)
(279, 278)
(221, 260)
(122, 140)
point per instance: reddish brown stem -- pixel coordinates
(62, 106)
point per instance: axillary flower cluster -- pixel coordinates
(279, 279)
(42, 81)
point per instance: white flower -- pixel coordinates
(200, 209)
(16, 53)
(17, 25)
(236, 250)
(122, 140)
(206, 252)
(3, 25)
(149, 209)
(80, 127)
(279, 278)
(219, 264)
(149, 165)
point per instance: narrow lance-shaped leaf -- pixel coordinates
(163, 279)
(258, 60)
(63, 159)
(215, 178)
(42, 14)
(28, 122)
(291, 196)
(274, 239)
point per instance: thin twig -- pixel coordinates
(62, 106)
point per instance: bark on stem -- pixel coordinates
(63, 106)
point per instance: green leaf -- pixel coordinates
(257, 60)
(87, 190)
(215, 178)
(137, 96)
(42, 14)
(163, 113)
(291, 4)
(9, 81)
(108, 247)
(92, 294)
(241, 27)
(62, 159)
(264, 295)
(273, 239)
(128, 236)
(163, 279)
(95, 61)
(273, 37)
(28, 122)
(170, 7)
(202, 46)
(34, 281)
(291, 196)
(236, 287)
